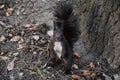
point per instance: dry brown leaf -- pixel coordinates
(7, 14)
(2, 6)
(9, 11)
(77, 55)
(93, 75)
(92, 65)
(86, 73)
(74, 76)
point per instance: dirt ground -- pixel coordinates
(24, 40)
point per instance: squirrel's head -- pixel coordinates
(58, 30)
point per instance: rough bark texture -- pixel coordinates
(100, 28)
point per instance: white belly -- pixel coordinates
(58, 48)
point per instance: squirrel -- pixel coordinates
(65, 33)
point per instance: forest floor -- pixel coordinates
(24, 41)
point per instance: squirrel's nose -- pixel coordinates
(58, 39)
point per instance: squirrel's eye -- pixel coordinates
(59, 24)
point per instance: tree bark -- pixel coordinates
(100, 28)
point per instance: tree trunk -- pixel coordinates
(100, 28)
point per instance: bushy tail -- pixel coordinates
(64, 11)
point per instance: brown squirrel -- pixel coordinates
(66, 32)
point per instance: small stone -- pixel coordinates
(20, 74)
(17, 12)
(34, 52)
(75, 66)
(22, 33)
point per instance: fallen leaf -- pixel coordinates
(92, 65)
(2, 38)
(37, 24)
(86, 73)
(7, 14)
(36, 37)
(77, 55)
(20, 46)
(27, 25)
(4, 50)
(3, 58)
(74, 76)
(9, 11)
(15, 54)
(2, 6)
(93, 75)
(21, 41)
(10, 65)
(15, 38)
